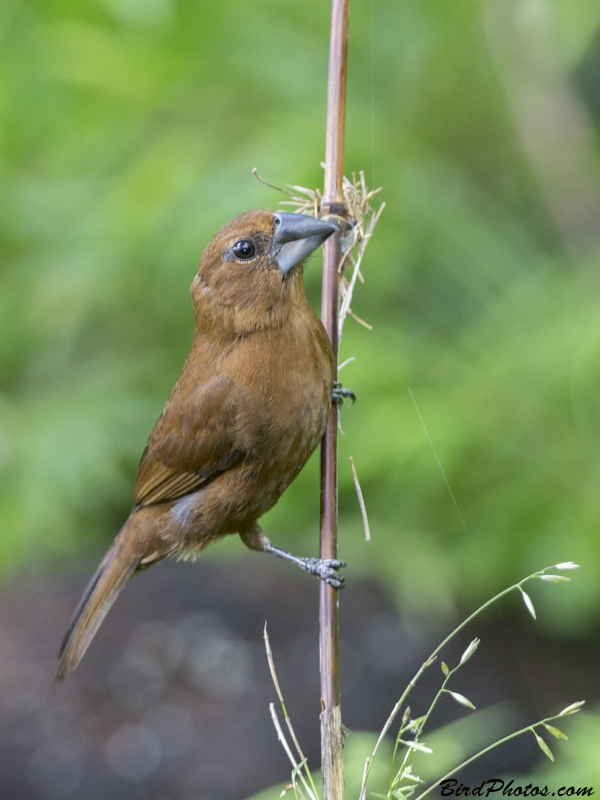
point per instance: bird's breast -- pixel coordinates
(288, 373)
(282, 380)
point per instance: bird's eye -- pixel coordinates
(244, 249)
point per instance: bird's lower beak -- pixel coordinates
(296, 237)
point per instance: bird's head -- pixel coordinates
(252, 269)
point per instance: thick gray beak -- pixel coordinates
(296, 237)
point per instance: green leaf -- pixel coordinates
(572, 709)
(555, 732)
(404, 791)
(408, 775)
(543, 746)
(414, 723)
(417, 746)
(460, 698)
(445, 669)
(469, 651)
(528, 603)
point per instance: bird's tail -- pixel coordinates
(117, 566)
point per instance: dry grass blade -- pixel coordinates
(272, 668)
(361, 501)
(280, 695)
(360, 321)
(281, 735)
(301, 766)
(297, 768)
(366, 220)
(270, 185)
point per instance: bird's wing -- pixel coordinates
(195, 440)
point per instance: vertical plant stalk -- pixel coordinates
(332, 204)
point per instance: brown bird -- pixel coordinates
(249, 408)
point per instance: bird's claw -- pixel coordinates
(326, 570)
(340, 394)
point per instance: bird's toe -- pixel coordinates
(340, 394)
(327, 570)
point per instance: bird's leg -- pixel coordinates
(325, 569)
(339, 394)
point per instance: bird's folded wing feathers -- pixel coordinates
(196, 439)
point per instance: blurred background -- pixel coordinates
(129, 129)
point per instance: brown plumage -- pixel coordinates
(249, 408)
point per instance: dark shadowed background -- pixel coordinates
(128, 132)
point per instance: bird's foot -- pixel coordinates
(326, 569)
(340, 394)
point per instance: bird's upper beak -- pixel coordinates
(296, 237)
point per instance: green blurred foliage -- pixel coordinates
(129, 131)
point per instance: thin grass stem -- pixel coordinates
(515, 587)
(483, 752)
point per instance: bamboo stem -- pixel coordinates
(332, 204)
